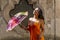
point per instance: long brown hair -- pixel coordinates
(40, 16)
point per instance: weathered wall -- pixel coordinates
(6, 6)
(57, 18)
(49, 7)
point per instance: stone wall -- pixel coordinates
(49, 7)
(57, 17)
(6, 6)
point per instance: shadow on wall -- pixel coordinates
(15, 38)
(26, 38)
(21, 7)
(51, 37)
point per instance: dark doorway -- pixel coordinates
(21, 7)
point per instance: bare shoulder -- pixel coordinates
(41, 20)
(33, 19)
(30, 18)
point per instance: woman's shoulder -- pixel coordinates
(41, 20)
(30, 18)
(33, 19)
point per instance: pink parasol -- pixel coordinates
(16, 19)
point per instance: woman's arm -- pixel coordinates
(42, 27)
(24, 27)
(41, 23)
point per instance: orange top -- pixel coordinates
(34, 29)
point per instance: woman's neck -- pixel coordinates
(35, 17)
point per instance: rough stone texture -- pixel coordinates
(32, 1)
(18, 33)
(57, 9)
(49, 9)
(6, 6)
(57, 18)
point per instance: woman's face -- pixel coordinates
(36, 13)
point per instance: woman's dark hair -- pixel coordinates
(40, 16)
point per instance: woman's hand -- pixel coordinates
(22, 26)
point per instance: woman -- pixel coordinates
(36, 25)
